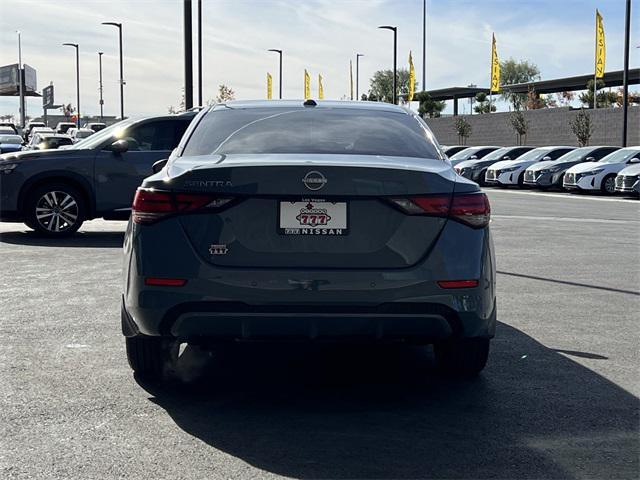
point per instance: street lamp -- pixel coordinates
(279, 52)
(119, 27)
(101, 101)
(75, 45)
(21, 80)
(358, 55)
(395, 57)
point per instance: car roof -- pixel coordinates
(52, 135)
(363, 105)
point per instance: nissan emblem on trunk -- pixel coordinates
(314, 180)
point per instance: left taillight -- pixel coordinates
(151, 205)
(472, 209)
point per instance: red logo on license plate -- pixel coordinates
(310, 216)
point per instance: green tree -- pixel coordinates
(521, 126)
(484, 104)
(582, 128)
(513, 72)
(463, 129)
(381, 85)
(605, 98)
(428, 106)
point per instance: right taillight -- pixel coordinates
(472, 209)
(469, 208)
(151, 205)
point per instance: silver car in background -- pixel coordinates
(475, 169)
(628, 180)
(549, 173)
(471, 153)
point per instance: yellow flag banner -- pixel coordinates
(269, 87)
(601, 47)
(495, 67)
(412, 78)
(320, 88)
(351, 79)
(307, 85)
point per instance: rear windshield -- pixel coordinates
(311, 131)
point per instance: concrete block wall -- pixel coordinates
(548, 126)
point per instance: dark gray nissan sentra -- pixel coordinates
(292, 220)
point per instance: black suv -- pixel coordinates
(54, 191)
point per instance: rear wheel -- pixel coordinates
(608, 186)
(462, 356)
(55, 210)
(148, 356)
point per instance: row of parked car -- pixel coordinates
(604, 169)
(37, 136)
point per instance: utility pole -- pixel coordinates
(101, 100)
(188, 57)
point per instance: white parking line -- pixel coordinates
(565, 219)
(560, 195)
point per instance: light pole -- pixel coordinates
(395, 58)
(75, 45)
(101, 101)
(279, 52)
(625, 79)
(358, 55)
(424, 45)
(188, 56)
(119, 27)
(200, 102)
(21, 80)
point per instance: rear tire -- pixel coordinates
(148, 356)
(55, 210)
(463, 356)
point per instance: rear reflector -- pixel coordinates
(458, 283)
(151, 205)
(165, 282)
(472, 209)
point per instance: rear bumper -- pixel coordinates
(233, 321)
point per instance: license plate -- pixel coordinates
(310, 217)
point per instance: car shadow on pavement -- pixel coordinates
(79, 239)
(338, 412)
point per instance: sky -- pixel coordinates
(319, 35)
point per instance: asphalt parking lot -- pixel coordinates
(559, 398)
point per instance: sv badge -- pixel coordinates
(218, 249)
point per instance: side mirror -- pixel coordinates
(473, 157)
(119, 146)
(546, 159)
(590, 159)
(506, 157)
(634, 160)
(159, 165)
